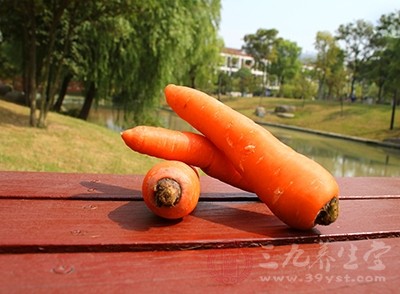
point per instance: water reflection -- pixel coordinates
(343, 158)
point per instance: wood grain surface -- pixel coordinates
(91, 233)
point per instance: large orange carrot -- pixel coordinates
(171, 189)
(297, 189)
(193, 149)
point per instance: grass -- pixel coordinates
(354, 119)
(66, 145)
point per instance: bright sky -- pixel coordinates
(296, 20)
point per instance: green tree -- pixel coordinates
(125, 48)
(47, 28)
(261, 47)
(357, 37)
(99, 58)
(389, 30)
(303, 84)
(245, 80)
(166, 34)
(202, 57)
(18, 26)
(286, 63)
(224, 83)
(9, 60)
(377, 69)
(329, 65)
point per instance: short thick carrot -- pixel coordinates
(171, 189)
(193, 149)
(298, 190)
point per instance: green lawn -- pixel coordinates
(67, 145)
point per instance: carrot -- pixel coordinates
(297, 190)
(171, 189)
(193, 149)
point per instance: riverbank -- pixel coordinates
(353, 121)
(394, 144)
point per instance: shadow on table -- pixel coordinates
(212, 221)
(135, 216)
(100, 190)
(215, 215)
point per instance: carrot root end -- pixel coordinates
(167, 192)
(329, 213)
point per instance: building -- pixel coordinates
(235, 59)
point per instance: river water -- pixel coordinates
(343, 158)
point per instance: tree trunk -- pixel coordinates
(330, 92)
(62, 93)
(192, 77)
(352, 86)
(44, 101)
(24, 70)
(31, 85)
(321, 86)
(393, 110)
(46, 75)
(87, 104)
(380, 92)
(30, 64)
(281, 85)
(219, 86)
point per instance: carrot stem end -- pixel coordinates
(167, 192)
(329, 213)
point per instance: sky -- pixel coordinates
(296, 20)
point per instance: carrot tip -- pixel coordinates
(329, 213)
(167, 192)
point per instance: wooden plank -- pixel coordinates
(68, 185)
(369, 187)
(64, 225)
(45, 185)
(346, 267)
(126, 187)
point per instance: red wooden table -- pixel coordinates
(92, 233)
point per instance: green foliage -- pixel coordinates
(126, 48)
(272, 54)
(389, 30)
(357, 38)
(286, 64)
(301, 86)
(224, 83)
(203, 54)
(329, 66)
(260, 45)
(244, 80)
(9, 64)
(383, 67)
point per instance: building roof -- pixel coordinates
(233, 51)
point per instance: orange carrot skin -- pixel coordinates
(192, 149)
(189, 181)
(293, 186)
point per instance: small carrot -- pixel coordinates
(193, 149)
(171, 189)
(297, 190)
